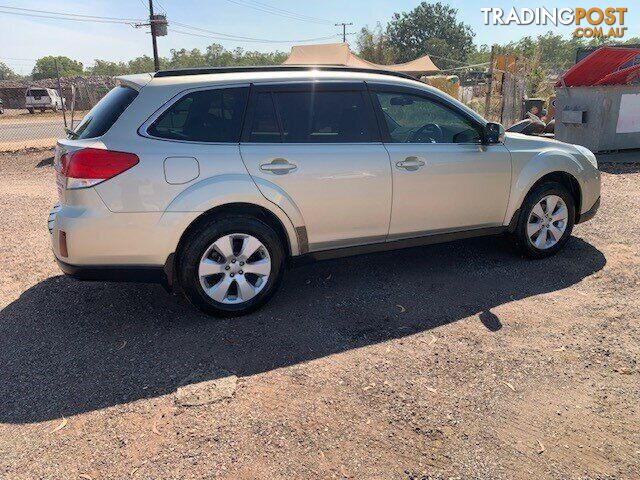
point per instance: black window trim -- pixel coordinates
(143, 129)
(306, 86)
(375, 87)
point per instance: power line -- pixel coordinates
(288, 11)
(227, 36)
(66, 18)
(252, 40)
(74, 15)
(262, 7)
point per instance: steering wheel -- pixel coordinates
(428, 133)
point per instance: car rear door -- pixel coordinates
(444, 177)
(318, 144)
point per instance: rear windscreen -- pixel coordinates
(102, 117)
(37, 93)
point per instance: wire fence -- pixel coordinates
(25, 126)
(22, 128)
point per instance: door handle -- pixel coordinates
(410, 163)
(278, 166)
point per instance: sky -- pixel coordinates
(24, 39)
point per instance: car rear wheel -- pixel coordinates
(231, 266)
(546, 220)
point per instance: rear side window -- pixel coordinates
(204, 116)
(105, 113)
(318, 116)
(264, 128)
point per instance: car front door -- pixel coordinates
(444, 177)
(319, 145)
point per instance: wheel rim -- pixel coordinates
(234, 268)
(547, 222)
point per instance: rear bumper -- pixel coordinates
(121, 273)
(83, 266)
(589, 214)
(114, 273)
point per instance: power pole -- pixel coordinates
(487, 99)
(156, 60)
(344, 30)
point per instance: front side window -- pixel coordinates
(415, 119)
(204, 116)
(324, 117)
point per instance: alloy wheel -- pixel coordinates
(234, 268)
(547, 222)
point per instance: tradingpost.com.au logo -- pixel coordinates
(590, 22)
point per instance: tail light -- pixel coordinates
(89, 166)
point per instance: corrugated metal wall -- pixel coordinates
(602, 106)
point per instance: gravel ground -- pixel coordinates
(460, 360)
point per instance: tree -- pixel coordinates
(6, 73)
(430, 28)
(45, 67)
(373, 45)
(144, 64)
(106, 67)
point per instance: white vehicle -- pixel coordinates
(42, 99)
(212, 179)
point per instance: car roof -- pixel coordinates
(224, 75)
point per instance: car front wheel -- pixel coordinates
(231, 266)
(546, 220)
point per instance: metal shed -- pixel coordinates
(598, 101)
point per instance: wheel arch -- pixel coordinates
(564, 178)
(239, 208)
(293, 238)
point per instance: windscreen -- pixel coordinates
(105, 113)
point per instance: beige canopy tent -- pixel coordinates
(340, 54)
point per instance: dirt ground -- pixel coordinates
(451, 361)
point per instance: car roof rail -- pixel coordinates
(276, 68)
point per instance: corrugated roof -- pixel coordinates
(600, 65)
(621, 77)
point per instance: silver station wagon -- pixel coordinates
(210, 180)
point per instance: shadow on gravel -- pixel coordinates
(619, 168)
(70, 347)
(45, 162)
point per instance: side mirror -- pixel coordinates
(493, 133)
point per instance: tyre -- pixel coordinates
(31, 111)
(42, 110)
(546, 220)
(231, 266)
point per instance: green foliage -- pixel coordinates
(216, 56)
(213, 56)
(45, 67)
(374, 46)
(143, 64)
(105, 67)
(430, 28)
(6, 73)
